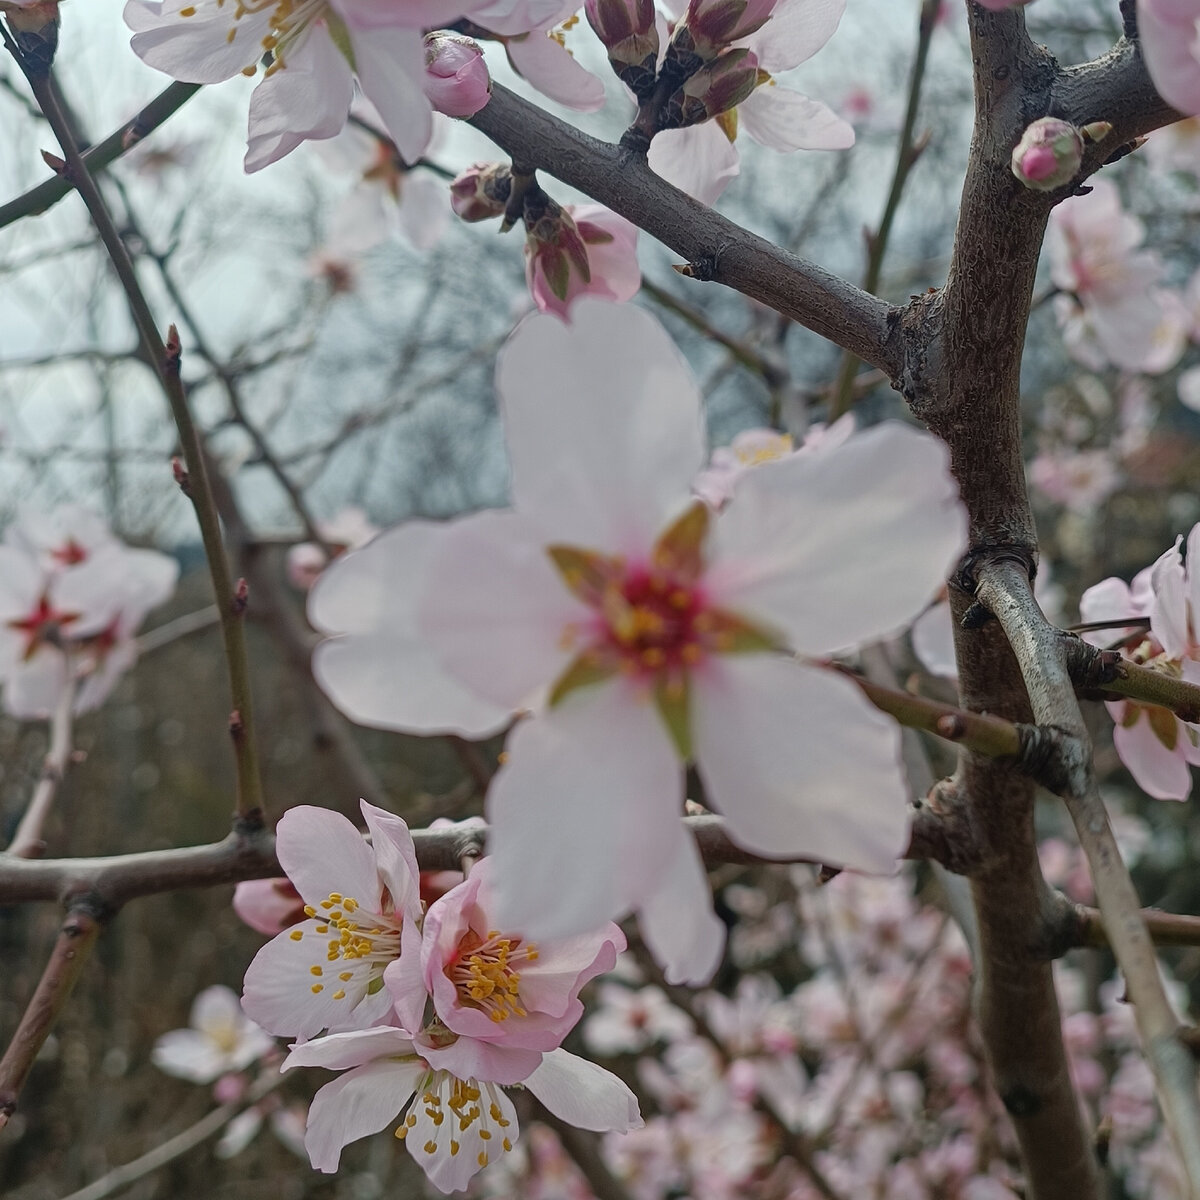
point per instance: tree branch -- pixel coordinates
(715, 248)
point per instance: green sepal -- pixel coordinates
(681, 546)
(673, 699)
(1164, 724)
(585, 671)
(376, 985)
(586, 573)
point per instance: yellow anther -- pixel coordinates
(691, 654)
(654, 657)
(230, 36)
(296, 935)
(309, 911)
(322, 928)
(482, 1159)
(454, 1147)
(437, 1117)
(410, 1120)
(314, 970)
(317, 987)
(340, 994)
(506, 1143)
(431, 1147)
(486, 1134)
(187, 12)
(346, 976)
(494, 1111)
(402, 1132)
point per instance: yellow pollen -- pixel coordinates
(230, 36)
(486, 1134)
(187, 12)
(317, 987)
(322, 928)
(482, 1159)
(654, 657)
(486, 977)
(309, 911)
(296, 935)
(346, 976)
(454, 1147)
(250, 72)
(431, 1147)
(506, 1143)
(679, 598)
(691, 654)
(502, 757)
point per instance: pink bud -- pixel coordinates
(1048, 154)
(716, 24)
(268, 905)
(456, 77)
(481, 191)
(629, 34)
(716, 88)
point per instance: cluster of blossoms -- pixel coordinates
(71, 598)
(640, 631)
(1158, 748)
(429, 1013)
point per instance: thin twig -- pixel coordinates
(165, 359)
(908, 151)
(75, 940)
(181, 627)
(27, 841)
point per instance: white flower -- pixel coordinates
(221, 1039)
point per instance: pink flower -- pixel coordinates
(1156, 747)
(1115, 312)
(643, 632)
(456, 77)
(453, 1127)
(586, 251)
(507, 999)
(1079, 479)
(702, 160)
(221, 1039)
(1169, 35)
(1048, 155)
(363, 906)
(346, 530)
(268, 905)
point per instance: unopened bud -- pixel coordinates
(715, 24)
(1048, 154)
(716, 88)
(629, 34)
(34, 25)
(481, 191)
(555, 250)
(1096, 131)
(456, 77)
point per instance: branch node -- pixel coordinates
(181, 475)
(241, 598)
(1056, 758)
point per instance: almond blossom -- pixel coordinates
(221, 1039)
(703, 159)
(641, 632)
(1157, 748)
(1169, 36)
(347, 529)
(362, 905)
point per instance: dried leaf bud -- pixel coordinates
(1048, 154)
(481, 191)
(629, 34)
(716, 88)
(456, 77)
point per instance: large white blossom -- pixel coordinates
(641, 631)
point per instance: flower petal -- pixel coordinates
(395, 859)
(321, 852)
(584, 1094)
(604, 425)
(677, 920)
(699, 160)
(1170, 44)
(799, 762)
(583, 813)
(383, 672)
(189, 1055)
(357, 1104)
(786, 120)
(1169, 616)
(1159, 772)
(796, 31)
(837, 548)
(355, 1048)
(547, 64)
(390, 64)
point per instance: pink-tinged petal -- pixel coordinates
(321, 853)
(383, 672)
(470, 1058)
(22, 582)
(786, 120)
(1108, 600)
(188, 1054)
(395, 859)
(511, 17)
(677, 920)
(359, 1103)
(496, 611)
(933, 640)
(799, 762)
(1193, 580)
(584, 1095)
(405, 981)
(583, 812)
(796, 31)
(390, 64)
(613, 264)
(411, 14)
(547, 64)
(699, 160)
(341, 1051)
(424, 213)
(835, 548)
(604, 425)
(1169, 616)
(267, 905)
(308, 98)
(1169, 37)
(1159, 772)
(279, 990)
(196, 49)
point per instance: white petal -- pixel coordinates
(700, 160)
(196, 49)
(390, 64)
(216, 1009)
(583, 813)
(188, 1055)
(383, 672)
(395, 859)
(677, 920)
(832, 549)
(340, 1051)
(552, 69)
(1193, 581)
(358, 1104)
(1169, 616)
(786, 120)
(583, 1094)
(933, 640)
(321, 852)
(1159, 772)
(424, 213)
(456, 1153)
(496, 611)
(796, 31)
(604, 425)
(799, 762)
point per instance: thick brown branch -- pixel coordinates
(714, 246)
(75, 940)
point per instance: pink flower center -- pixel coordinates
(484, 972)
(70, 553)
(652, 621)
(42, 626)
